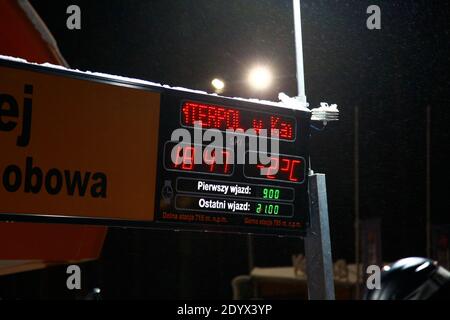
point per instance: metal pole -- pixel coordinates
(428, 182)
(299, 51)
(356, 204)
(319, 262)
(250, 253)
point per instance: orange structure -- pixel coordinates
(27, 246)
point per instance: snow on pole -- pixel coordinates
(299, 52)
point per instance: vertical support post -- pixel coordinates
(250, 253)
(319, 263)
(428, 182)
(356, 206)
(299, 51)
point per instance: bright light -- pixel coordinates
(218, 84)
(260, 78)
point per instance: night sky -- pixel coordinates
(391, 75)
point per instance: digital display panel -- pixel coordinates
(222, 118)
(199, 191)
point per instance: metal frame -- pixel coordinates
(319, 263)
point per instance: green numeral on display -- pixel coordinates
(268, 208)
(271, 193)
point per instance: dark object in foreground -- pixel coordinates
(412, 279)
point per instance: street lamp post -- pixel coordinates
(299, 52)
(319, 263)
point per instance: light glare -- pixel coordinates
(218, 84)
(260, 78)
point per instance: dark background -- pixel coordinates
(391, 75)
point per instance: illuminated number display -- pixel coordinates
(268, 208)
(222, 118)
(235, 189)
(233, 206)
(227, 190)
(270, 193)
(281, 168)
(185, 156)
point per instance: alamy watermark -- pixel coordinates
(374, 20)
(73, 281)
(73, 21)
(374, 277)
(209, 147)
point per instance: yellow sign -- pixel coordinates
(76, 148)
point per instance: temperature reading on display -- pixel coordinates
(281, 168)
(222, 118)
